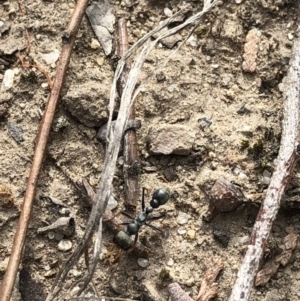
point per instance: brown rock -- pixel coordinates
(223, 197)
(171, 139)
(88, 104)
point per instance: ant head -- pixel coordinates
(160, 197)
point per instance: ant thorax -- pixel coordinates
(142, 217)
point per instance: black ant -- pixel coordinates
(123, 238)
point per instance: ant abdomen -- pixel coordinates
(160, 197)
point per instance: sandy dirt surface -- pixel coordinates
(233, 117)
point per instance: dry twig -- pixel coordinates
(41, 142)
(287, 158)
(131, 167)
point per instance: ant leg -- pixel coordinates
(134, 243)
(117, 257)
(127, 214)
(143, 199)
(154, 218)
(153, 227)
(136, 238)
(123, 224)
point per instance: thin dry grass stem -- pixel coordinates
(287, 158)
(101, 298)
(41, 142)
(131, 167)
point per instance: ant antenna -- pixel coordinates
(143, 199)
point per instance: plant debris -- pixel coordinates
(271, 267)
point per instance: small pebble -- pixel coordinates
(142, 262)
(191, 41)
(265, 180)
(242, 176)
(181, 231)
(290, 36)
(58, 236)
(65, 245)
(204, 122)
(160, 77)
(64, 211)
(121, 160)
(230, 94)
(51, 57)
(60, 123)
(8, 80)
(196, 195)
(215, 66)
(95, 44)
(51, 235)
(50, 273)
(170, 262)
(171, 88)
(15, 131)
(76, 273)
(266, 173)
(100, 61)
(170, 173)
(150, 168)
(238, 1)
(226, 80)
(167, 12)
(183, 247)
(221, 236)
(182, 218)
(191, 234)
(289, 229)
(112, 203)
(243, 240)
(74, 290)
(281, 87)
(190, 282)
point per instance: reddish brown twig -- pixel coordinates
(26, 65)
(21, 59)
(287, 158)
(131, 164)
(41, 142)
